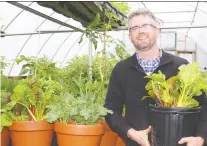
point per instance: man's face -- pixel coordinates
(143, 32)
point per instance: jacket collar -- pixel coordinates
(165, 59)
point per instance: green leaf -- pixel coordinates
(10, 105)
(81, 39)
(179, 90)
(5, 120)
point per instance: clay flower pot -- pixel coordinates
(5, 137)
(31, 133)
(120, 142)
(79, 135)
(109, 138)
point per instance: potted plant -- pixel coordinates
(78, 118)
(71, 77)
(32, 95)
(176, 111)
(7, 86)
(6, 118)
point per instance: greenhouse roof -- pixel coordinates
(83, 11)
(55, 28)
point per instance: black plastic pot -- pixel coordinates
(169, 125)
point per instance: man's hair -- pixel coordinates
(144, 12)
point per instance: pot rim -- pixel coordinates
(156, 108)
(30, 126)
(74, 129)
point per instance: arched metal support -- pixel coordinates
(15, 17)
(60, 46)
(26, 43)
(69, 51)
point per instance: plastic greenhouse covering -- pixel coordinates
(183, 27)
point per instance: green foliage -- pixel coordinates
(80, 110)
(91, 32)
(78, 68)
(6, 116)
(123, 7)
(8, 84)
(75, 67)
(42, 67)
(3, 64)
(84, 104)
(177, 91)
(34, 94)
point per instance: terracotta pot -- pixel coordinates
(5, 137)
(79, 135)
(31, 133)
(109, 138)
(120, 142)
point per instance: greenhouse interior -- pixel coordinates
(57, 59)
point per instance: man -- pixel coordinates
(127, 84)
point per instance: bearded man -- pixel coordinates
(127, 84)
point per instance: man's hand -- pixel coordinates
(192, 141)
(141, 137)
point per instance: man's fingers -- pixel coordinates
(149, 129)
(184, 140)
(147, 143)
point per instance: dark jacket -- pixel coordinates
(127, 87)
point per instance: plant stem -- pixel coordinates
(28, 111)
(181, 97)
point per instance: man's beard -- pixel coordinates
(143, 46)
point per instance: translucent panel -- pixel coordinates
(23, 23)
(188, 57)
(200, 18)
(6, 17)
(10, 46)
(199, 36)
(168, 41)
(180, 37)
(180, 46)
(190, 45)
(61, 47)
(169, 6)
(177, 24)
(171, 17)
(202, 7)
(182, 31)
(201, 56)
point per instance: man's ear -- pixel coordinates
(158, 32)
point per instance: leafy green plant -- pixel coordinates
(42, 67)
(8, 84)
(6, 115)
(68, 109)
(84, 106)
(33, 94)
(123, 7)
(179, 90)
(3, 63)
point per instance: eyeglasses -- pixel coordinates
(143, 28)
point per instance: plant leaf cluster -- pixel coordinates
(70, 109)
(179, 90)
